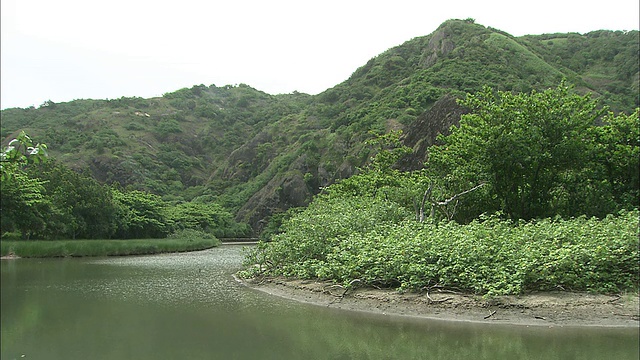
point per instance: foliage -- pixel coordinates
(22, 203)
(50, 201)
(617, 150)
(541, 155)
(489, 256)
(205, 218)
(143, 214)
(536, 153)
(308, 237)
(80, 207)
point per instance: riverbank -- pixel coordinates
(549, 309)
(81, 248)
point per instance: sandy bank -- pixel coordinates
(541, 309)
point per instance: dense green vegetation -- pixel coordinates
(544, 188)
(256, 154)
(80, 248)
(365, 242)
(46, 200)
(540, 155)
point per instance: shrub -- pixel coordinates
(489, 256)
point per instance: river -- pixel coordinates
(188, 306)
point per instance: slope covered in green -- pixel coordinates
(259, 154)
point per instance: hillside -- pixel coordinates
(259, 154)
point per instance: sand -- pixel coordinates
(557, 308)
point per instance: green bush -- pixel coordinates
(488, 256)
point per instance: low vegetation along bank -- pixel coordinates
(487, 257)
(66, 248)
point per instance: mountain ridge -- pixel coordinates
(259, 154)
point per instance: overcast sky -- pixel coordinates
(82, 49)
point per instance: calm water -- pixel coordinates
(187, 306)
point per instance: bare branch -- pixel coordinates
(454, 197)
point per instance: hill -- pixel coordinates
(259, 154)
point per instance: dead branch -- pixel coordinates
(614, 300)
(490, 315)
(442, 205)
(344, 293)
(442, 289)
(454, 197)
(431, 301)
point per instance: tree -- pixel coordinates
(618, 153)
(80, 206)
(207, 217)
(534, 150)
(141, 215)
(22, 204)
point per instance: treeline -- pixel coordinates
(43, 199)
(532, 191)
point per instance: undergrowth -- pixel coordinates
(489, 256)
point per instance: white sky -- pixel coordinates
(85, 49)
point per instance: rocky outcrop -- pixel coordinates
(440, 45)
(423, 132)
(282, 192)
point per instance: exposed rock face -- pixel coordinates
(248, 153)
(440, 45)
(281, 193)
(423, 132)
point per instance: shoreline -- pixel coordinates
(548, 309)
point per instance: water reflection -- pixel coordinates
(188, 306)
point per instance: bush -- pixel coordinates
(488, 256)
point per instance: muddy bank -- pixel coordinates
(541, 309)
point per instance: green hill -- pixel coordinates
(258, 154)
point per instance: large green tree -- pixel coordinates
(207, 217)
(540, 153)
(142, 215)
(80, 206)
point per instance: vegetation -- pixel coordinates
(489, 256)
(46, 200)
(535, 161)
(540, 154)
(80, 248)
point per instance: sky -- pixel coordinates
(86, 49)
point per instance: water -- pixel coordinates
(187, 306)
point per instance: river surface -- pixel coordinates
(188, 306)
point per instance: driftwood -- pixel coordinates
(339, 297)
(428, 289)
(490, 315)
(431, 301)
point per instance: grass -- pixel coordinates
(81, 248)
